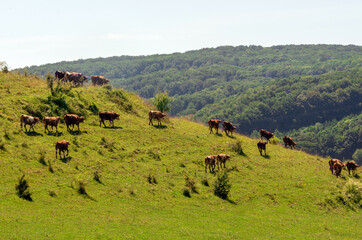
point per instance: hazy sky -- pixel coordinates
(35, 32)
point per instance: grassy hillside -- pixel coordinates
(287, 194)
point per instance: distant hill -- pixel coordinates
(280, 88)
(131, 181)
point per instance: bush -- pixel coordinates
(93, 108)
(236, 147)
(274, 140)
(186, 192)
(191, 184)
(81, 188)
(96, 177)
(22, 189)
(222, 186)
(205, 182)
(162, 101)
(151, 179)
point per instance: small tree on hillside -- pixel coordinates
(222, 186)
(162, 101)
(4, 67)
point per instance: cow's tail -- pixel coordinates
(21, 121)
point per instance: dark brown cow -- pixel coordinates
(108, 115)
(289, 141)
(331, 162)
(51, 121)
(228, 127)
(76, 79)
(214, 123)
(59, 75)
(351, 165)
(99, 80)
(266, 134)
(28, 120)
(262, 146)
(156, 115)
(72, 119)
(62, 146)
(337, 166)
(210, 161)
(221, 159)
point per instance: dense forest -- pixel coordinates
(311, 92)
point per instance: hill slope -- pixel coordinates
(287, 194)
(284, 88)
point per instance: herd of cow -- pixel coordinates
(211, 161)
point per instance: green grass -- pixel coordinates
(286, 195)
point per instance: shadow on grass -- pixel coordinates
(33, 134)
(66, 159)
(266, 156)
(56, 134)
(231, 201)
(230, 136)
(115, 127)
(218, 134)
(77, 132)
(159, 126)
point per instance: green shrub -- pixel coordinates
(186, 192)
(22, 189)
(93, 108)
(236, 147)
(162, 101)
(274, 140)
(191, 184)
(222, 186)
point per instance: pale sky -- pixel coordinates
(35, 32)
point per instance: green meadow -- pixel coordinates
(134, 176)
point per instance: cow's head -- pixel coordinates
(85, 79)
(36, 119)
(66, 142)
(116, 116)
(81, 119)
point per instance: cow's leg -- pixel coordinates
(210, 129)
(150, 122)
(224, 164)
(78, 127)
(56, 153)
(110, 123)
(67, 152)
(349, 172)
(217, 130)
(260, 151)
(205, 167)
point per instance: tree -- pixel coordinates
(357, 156)
(4, 67)
(162, 101)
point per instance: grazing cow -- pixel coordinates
(76, 78)
(214, 123)
(72, 119)
(156, 115)
(210, 161)
(28, 120)
(228, 127)
(351, 165)
(262, 146)
(51, 121)
(266, 134)
(99, 80)
(221, 159)
(108, 115)
(289, 141)
(62, 146)
(338, 166)
(59, 75)
(331, 162)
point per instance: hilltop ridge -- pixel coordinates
(286, 194)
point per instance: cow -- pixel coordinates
(62, 146)
(59, 75)
(210, 161)
(338, 166)
(72, 119)
(221, 159)
(214, 123)
(155, 115)
(331, 162)
(108, 115)
(51, 121)
(99, 80)
(28, 120)
(76, 78)
(289, 141)
(351, 165)
(266, 134)
(262, 146)
(228, 127)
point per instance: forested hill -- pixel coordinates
(281, 87)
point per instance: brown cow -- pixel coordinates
(156, 115)
(228, 127)
(59, 75)
(262, 146)
(289, 141)
(62, 146)
(221, 159)
(266, 134)
(108, 115)
(214, 123)
(210, 161)
(338, 166)
(76, 78)
(28, 120)
(51, 121)
(72, 119)
(99, 80)
(331, 162)
(351, 165)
